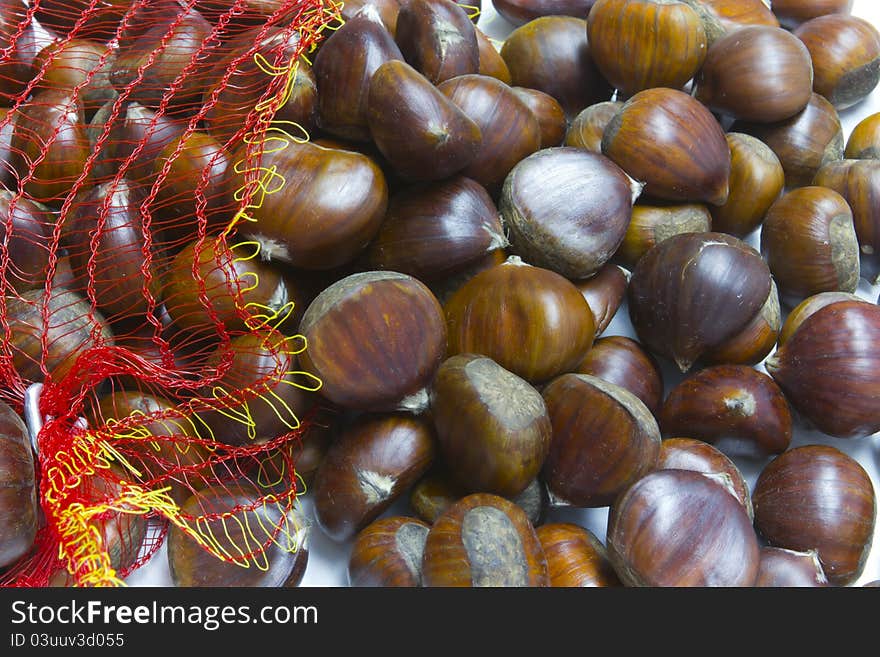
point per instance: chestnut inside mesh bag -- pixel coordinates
(131, 136)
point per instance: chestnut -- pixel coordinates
(421, 132)
(825, 369)
(804, 142)
(370, 465)
(445, 288)
(758, 73)
(604, 292)
(698, 456)
(680, 528)
(753, 343)
(18, 492)
(623, 362)
(575, 557)
(723, 16)
(794, 12)
(809, 242)
(864, 140)
(529, 320)
(123, 528)
(407, 340)
(567, 209)
(25, 231)
(684, 299)
(388, 552)
(588, 127)
(604, 439)
(815, 497)
(653, 223)
(673, 144)
(386, 9)
(551, 54)
(247, 540)
(99, 20)
(77, 64)
(550, 115)
(484, 541)
(641, 44)
(491, 61)
(509, 128)
(781, 568)
(520, 12)
(858, 181)
(492, 427)
(809, 307)
(736, 407)
(20, 41)
(756, 181)
(343, 68)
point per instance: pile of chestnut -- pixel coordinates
(460, 229)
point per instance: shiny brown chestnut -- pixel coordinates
(846, 57)
(422, 134)
(735, 407)
(576, 557)
(794, 12)
(604, 293)
(685, 300)
(20, 41)
(604, 439)
(698, 456)
(18, 492)
(550, 115)
(408, 340)
(484, 541)
(652, 223)
(520, 12)
(804, 142)
(858, 181)
(756, 181)
(826, 369)
(864, 140)
(280, 557)
(672, 143)
(623, 362)
(816, 497)
(781, 568)
(567, 209)
(758, 73)
(809, 242)
(371, 464)
(492, 427)
(81, 64)
(99, 20)
(809, 307)
(343, 68)
(641, 44)
(681, 528)
(588, 127)
(437, 38)
(722, 16)
(24, 229)
(551, 54)
(386, 9)
(388, 552)
(491, 61)
(529, 320)
(755, 342)
(509, 128)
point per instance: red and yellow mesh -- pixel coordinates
(97, 318)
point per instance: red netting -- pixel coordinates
(131, 136)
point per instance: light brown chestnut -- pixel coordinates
(587, 128)
(650, 224)
(864, 140)
(576, 557)
(604, 293)
(388, 553)
(491, 61)
(550, 115)
(722, 16)
(858, 181)
(623, 362)
(781, 568)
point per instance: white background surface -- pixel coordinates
(328, 561)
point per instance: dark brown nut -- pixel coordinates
(809, 242)
(673, 144)
(81, 64)
(735, 407)
(651, 224)
(576, 557)
(834, 344)
(388, 552)
(19, 508)
(408, 344)
(809, 307)
(445, 288)
(529, 320)
(698, 456)
(551, 54)
(723, 16)
(604, 293)
(684, 300)
(484, 541)
(281, 558)
(567, 209)
(858, 181)
(781, 568)
(816, 497)
(758, 73)
(604, 439)
(422, 134)
(369, 466)
(520, 12)
(25, 230)
(588, 127)
(386, 9)
(641, 44)
(803, 143)
(756, 181)
(623, 362)
(864, 140)
(437, 38)
(755, 342)
(681, 528)
(550, 115)
(794, 12)
(491, 61)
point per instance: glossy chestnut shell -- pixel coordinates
(388, 552)
(789, 568)
(604, 293)
(575, 557)
(19, 509)
(438, 39)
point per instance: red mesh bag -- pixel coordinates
(131, 137)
